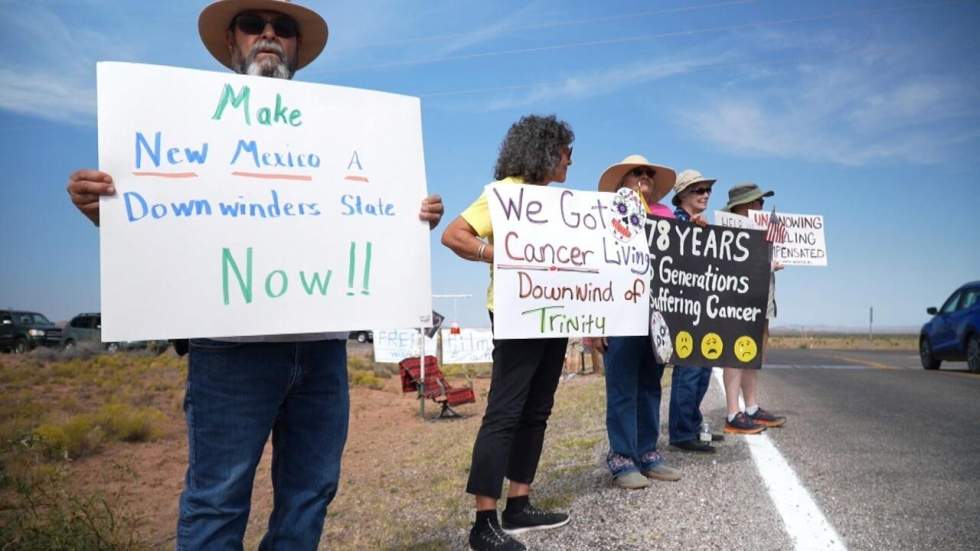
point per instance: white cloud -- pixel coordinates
(54, 76)
(595, 83)
(856, 105)
(53, 97)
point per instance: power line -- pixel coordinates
(640, 38)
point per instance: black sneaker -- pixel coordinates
(693, 446)
(743, 424)
(488, 536)
(531, 518)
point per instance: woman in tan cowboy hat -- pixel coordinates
(741, 199)
(689, 384)
(632, 372)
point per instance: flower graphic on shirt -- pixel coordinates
(628, 214)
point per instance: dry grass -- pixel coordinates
(846, 342)
(405, 488)
(69, 473)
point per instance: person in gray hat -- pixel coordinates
(689, 384)
(239, 390)
(741, 199)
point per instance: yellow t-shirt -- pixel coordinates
(477, 216)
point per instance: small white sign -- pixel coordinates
(468, 347)
(257, 206)
(568, 263)
(798, 239)
(394, 345)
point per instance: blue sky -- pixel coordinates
(866, 111)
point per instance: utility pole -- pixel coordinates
(871, 321)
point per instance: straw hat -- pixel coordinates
(687, 179)
(745, 193)
(663, 176)
(216, 18)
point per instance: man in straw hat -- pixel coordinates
(741, 199)
(241, 389)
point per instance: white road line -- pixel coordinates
(804, 522)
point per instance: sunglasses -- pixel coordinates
(639, 171)
(253, 24)
(701, 191)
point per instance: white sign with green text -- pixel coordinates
(257, 206)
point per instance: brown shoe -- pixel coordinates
(766, 419)
(743, 424)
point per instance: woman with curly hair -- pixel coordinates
(536, 151)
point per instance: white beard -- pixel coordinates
(265, 68)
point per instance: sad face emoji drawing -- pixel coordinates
(684, 344)
(745, 348)
(711, 346)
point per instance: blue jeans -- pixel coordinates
(687, 389)
(237, 393)
(632, 396)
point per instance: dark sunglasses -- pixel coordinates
(639, 171)
(252, 23)
(701, 191)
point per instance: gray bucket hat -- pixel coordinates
(745, 192)
(687, 179)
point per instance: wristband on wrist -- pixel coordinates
(479, 252)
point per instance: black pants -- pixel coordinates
(522, 392)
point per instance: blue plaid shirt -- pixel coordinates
(682, 214)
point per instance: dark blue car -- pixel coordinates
(953, 333)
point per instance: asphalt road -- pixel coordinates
(889, 452)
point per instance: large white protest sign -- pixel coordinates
(798, 239)
(394, 345)
(252, 206)
(469, 346)
(568, 263)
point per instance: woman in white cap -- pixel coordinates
(741, 199)
(632, 372)
(689, 384)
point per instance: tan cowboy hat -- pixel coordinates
(663, 176)
(216, 18)
(687, 179)
(745, 193)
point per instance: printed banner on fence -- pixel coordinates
(470, 346)
(257, 206)
(394, 345)
(567, 263)
(797, 239)
(709, 293)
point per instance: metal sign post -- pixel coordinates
(422, 373)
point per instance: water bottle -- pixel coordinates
(705, 436)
